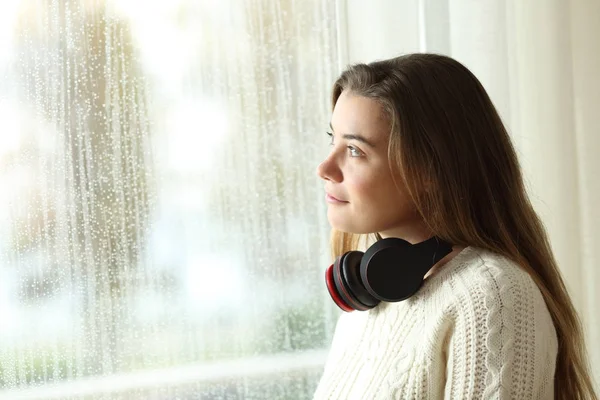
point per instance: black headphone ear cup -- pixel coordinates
(380, 265)
(390, 273)
(350, 268)
(393, 269)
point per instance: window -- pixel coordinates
(162, 231)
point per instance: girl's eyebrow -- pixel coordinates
(357, 137)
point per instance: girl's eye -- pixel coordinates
(354, 152)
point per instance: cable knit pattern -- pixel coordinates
(477, 329)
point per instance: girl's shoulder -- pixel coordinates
(474, 267)
(480, 281)
(482, 287)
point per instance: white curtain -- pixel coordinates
(540, 62)
(163, 233)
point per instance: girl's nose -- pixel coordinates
(328, 170)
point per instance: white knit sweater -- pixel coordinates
(477, 329)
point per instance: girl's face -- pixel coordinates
(360, 192)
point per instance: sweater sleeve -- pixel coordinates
(503, 343)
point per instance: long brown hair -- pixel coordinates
(459, 167)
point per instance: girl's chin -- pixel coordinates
(339, 220)
(349, 229)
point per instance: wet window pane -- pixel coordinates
(162, 230)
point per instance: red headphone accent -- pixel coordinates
(333, 292)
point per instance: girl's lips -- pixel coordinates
(330, 199)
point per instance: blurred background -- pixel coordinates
(163, 234)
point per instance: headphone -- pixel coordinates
(390, 270)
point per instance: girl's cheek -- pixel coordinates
(362, 186)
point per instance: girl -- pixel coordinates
(421, 161)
